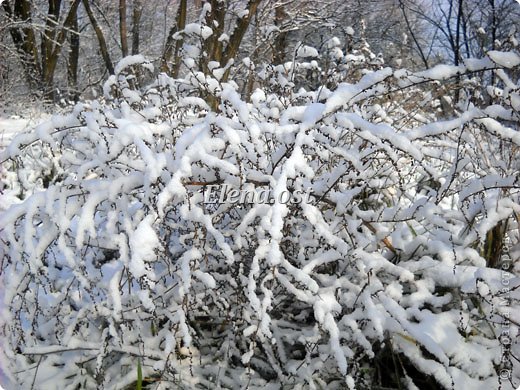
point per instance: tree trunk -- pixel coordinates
(216, 20)
(58, 41)
(493, 33)
(123, 31)
(72, 65)
(52, 56)
(47, 42)
(173, 46)
(238, 34)
(100, 37)
(280, 41)
(136, 21)
(25, 41)
(457, 34)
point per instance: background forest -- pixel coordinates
(60, 51)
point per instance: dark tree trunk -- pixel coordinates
(173, 46)
(136, 24)
(280, 41)
(103, 48)
(25, 42)
(123, 30)
(238, 34)
(72, 68)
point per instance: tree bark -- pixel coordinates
(25, 41)
(59, 40)
(457, 33)
(238, 34)
(123, 30)
(216, 20)
(136, 24)
(173, 46)
(100, 37)
(280, 41)
(72, 65)
(49, 35)
(493, 33)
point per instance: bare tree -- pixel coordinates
(39, 61)
(100, 37)
(173, 46)
(463, 29)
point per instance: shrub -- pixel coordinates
(383, 278)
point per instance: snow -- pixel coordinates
(194, 28)
(128, 61)
(440, 72)
(124, 259)
(223, 38)
(15, 125)
(243, 13)
(143, 243)
(307, 51)
(505, 59)
(476, 64)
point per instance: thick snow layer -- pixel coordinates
(505, 59)
(9, 127)
(196, 29)
(143, 243)
(307, 51)
(440, 72)
(128, 61)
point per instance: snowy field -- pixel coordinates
(13, 125)
(10, 127)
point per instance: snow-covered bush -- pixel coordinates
(385, 277)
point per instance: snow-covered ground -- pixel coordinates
(9, 128)
(13, 125)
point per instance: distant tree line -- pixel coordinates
(59, 50)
